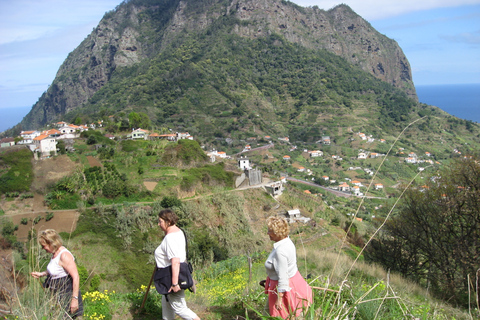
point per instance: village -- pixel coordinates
(43, 144)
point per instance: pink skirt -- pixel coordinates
(294, 301)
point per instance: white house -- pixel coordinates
(244, 163)
(45, 145)
(69, 132)
(295, 215)
(356, 190)
(362, 155)
(410, 160)
(315, 153)
(184, 135)
(138, 134)
(344, 187)
(378, 186)
(28, 136)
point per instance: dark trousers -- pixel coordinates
(62, 288)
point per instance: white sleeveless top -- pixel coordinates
(56, 271)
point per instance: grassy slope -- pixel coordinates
(219, 214)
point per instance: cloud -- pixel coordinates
(381, 9)
(23, 20)
(465, 37)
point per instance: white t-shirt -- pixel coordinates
(172, 246)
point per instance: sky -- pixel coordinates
(441, 38)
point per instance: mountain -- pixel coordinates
(230, 65)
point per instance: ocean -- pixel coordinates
(9, 117)
(460, 100)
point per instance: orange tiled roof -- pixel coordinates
(41, 137)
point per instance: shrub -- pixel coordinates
(170, 202)
(26, 196)
(94, 283)
(91, 201)
(24, 221)
(49, 216)
(37, 219)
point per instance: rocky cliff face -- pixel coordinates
(129, 35)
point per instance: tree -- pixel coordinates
(139, 120)
(92, 140)
(435, 238)
(61, 146)
(170, 201)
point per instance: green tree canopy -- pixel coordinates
(139, 120)
(435, 238)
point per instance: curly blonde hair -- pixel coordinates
(51, 238)
(279, 226)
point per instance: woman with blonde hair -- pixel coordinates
(62, 274)
(288, 293)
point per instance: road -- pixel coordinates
(335, 192)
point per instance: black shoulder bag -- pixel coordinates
(163, 276)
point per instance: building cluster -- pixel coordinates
(44, 143)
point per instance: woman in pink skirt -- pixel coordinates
(288, 293)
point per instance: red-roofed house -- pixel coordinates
(28, 136)
(356, 190)
(70, 132)
(45, 145)
(54, 133)
(169, 136)
(344, 187)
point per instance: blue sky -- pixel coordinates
(441, 38)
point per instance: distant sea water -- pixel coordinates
(9, 117)
(460, 100)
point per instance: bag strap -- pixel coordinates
(186, 243)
